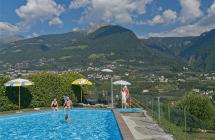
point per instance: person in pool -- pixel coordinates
(67, 103)
(54, 105)
(67, 106)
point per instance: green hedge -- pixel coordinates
(46, 87)
(5, 103)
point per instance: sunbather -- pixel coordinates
(54, 105)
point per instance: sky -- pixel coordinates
(147, 18)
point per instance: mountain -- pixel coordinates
(201, 52)
(107, 44)
(78, 49)
(171, 45)
(10, 38)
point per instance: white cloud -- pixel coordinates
(168, 16)
(190, 29)
(208, 19)
(190, 10)
(211, 10)
(55, 21)
(78, 4)
(35, 34)
(75, 29)
(117, 11)
(32, 35)
(39, 10)
(156, 20)
(187, 30)
(6, 27)
(203, 24)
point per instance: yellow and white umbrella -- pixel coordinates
(18, 83)
(82, 82)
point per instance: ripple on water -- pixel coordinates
(82, 125)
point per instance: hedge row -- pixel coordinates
(46, 87)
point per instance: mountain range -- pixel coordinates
(108, 44)
(199, 51)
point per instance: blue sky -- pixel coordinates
(145, 17)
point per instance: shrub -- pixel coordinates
(46, 87)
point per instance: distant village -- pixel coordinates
(95, 73)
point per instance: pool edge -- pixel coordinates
(125, 131)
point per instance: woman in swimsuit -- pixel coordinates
(54, 105)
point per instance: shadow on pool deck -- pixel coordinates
(143, 127)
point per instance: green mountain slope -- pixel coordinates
(78, 49)
(201, 53)
(171, 45)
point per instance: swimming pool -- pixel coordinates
(85, 124)
(130, 110)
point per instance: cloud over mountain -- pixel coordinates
(190, 10)
(203, 24)
(40, 11)
(168, 16)
(7, 27)
(117, 11)
(145, 17)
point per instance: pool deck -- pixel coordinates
(125, 131)
(143, 127)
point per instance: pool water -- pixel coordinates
(84, 124)
(130, 110)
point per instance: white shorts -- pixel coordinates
(123, 100)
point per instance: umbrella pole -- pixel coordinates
(19, 99)
(81, 94)
(129, 98)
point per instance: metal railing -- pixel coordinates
(179, 122)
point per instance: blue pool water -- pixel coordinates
(130, 110)
(87, 124)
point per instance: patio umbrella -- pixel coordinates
(122, 83)
(18, 83)
(81, 82)
(107, 70)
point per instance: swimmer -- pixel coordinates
(67, 105)
(66, 117)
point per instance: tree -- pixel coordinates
(197, 105)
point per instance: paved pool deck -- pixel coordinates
(125, 131)
(143, 127)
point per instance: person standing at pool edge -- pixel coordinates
(67, 106)
(54, 105)
(128, 99)
(123, 98)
